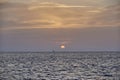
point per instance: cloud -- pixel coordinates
(109, 16)
(53, 5)
(56, 15)
(95, 11)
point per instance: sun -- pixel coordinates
(62, 46)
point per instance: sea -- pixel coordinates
(60, 65)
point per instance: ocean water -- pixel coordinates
(60, 66)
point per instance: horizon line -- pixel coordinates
(53, 51)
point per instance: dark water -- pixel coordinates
(60, 66)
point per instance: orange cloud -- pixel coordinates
(56, 15)
(53, 5)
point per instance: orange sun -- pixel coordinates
(62, 46)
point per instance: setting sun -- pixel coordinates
(62, 46)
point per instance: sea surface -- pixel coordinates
(60, 66)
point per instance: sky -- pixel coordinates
(46, 25)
